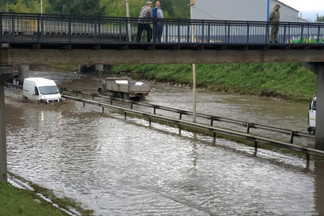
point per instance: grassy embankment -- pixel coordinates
(287, 80)
(14, 201)
(21, 202)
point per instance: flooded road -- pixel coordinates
(118, 167)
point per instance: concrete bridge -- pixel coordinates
(35, 39)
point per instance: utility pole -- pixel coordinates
(5, 72)
(194, 106)
(128, 23)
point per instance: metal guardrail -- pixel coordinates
(214, 130)
(63, 29)
(249, 125)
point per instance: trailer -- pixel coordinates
(124, 88)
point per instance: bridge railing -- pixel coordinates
(37, 28)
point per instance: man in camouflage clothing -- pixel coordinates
(274, 21)
(143, 23)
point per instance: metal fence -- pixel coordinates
(43, 28)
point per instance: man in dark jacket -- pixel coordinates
(274, 19)
(143, 23)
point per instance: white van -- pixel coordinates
(41, 90)
(312, 116)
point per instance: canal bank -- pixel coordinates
(282, 80)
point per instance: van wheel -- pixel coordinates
(25, 99)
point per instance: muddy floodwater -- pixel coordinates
(118, 167)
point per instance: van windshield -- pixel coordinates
(46, 90)
(314, 105)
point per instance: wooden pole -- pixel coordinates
(194, 105)
(128, 24)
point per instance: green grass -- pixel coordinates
(21, 202)
(286, 80)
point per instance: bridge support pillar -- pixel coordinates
(5, 72)
(318, 69)
(23, 72)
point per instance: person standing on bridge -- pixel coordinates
(143, 23)
(157, 14)
(274, 19)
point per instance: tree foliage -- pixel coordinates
(77, 7)
(26, 6)
(171, 8)
(117, 8)
(320, 18)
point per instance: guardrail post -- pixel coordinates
(248, 33)
(188, 33)
(167, 32)
(70, 31)
(150, 121)
(285, 32)
(203, 32)
(42, 28)
(267, 33)
(95, 31)
(289, 31)
(0, 27)
(301, 33)
(154, 110)
(99, 32)
(214, 136)
(179, 126)
(212, 121)
(307, 158)
(131, 105)
(103, 110)
(13, 27)
(248, 125)
(125, 115)
(208, 37)
(227, 32)
(128, 36)
(83, 103)
(255, 148)
(318, 34)
(120, 32)
(292, 134)
(180, 117)
(178, 32)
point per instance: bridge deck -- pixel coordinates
(53, 31)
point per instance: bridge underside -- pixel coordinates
(158, 55)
